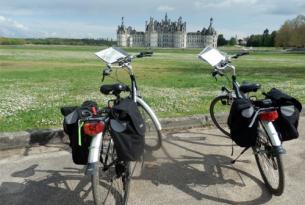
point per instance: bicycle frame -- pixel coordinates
(267, 125)
(96, 143)
(135, 94)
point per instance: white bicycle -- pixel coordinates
(117, 58)
(111, 175)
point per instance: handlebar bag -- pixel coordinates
(289, 113)
(71, 115)
(239, 119)
(129, 143)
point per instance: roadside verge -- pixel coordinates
(26, 139)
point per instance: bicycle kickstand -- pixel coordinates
(242, 152)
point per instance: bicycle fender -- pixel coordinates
(150, 111)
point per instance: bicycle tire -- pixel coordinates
(220, 119)
(153, 136)
(107, 187)
(264, 157)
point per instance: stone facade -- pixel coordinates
(166, 33)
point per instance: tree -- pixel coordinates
(266, 38)
(292, 33)
(221, 41)
(272, 38)
(283, 36)
(255, 41)
(232, 41)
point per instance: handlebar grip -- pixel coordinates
(140, 55)
(240, 54)
(214, 73)
(106, 72)
(144, 54)
(244, 53)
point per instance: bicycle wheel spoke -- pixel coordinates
(153, 136)
(269, 164)
(219, 112)
(109, 186)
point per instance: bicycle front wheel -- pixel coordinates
(219, 112)
(269, 164)
(153, 136)
(110, 186)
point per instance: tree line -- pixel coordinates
(57, 41)
(266, 39)
(291, 34)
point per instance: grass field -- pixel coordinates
(35, 81)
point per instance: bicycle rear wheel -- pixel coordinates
(219, 112)
(153, 136)
(110, 186)
(269, 164)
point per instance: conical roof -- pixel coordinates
(210, 30)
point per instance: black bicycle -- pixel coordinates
(221, 105)
(253, 120)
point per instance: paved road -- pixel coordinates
(193, 167)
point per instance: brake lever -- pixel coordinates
(214, 74)
(265, 94)
(106, 72)
(140, 55)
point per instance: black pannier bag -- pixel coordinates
(129, 138)
(289, 113)
(80, 153)
(239, 119)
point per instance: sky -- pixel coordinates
(100, 18)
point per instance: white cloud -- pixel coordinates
(222, 3)
(294, 7)
(67, 29)
(11, 23)
(11, 28)
(164, 8)
(96, 18)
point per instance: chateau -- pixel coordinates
(166, 33)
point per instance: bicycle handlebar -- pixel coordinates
(145, 54)
(128, 59)
(217, 72)
(240, 54)
(125, 62)
(226, 64)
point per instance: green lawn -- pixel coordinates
(35, 81)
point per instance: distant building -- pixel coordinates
(166, 33)
(242, 41)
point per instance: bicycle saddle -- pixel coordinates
(249, 87)
(114, 89)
